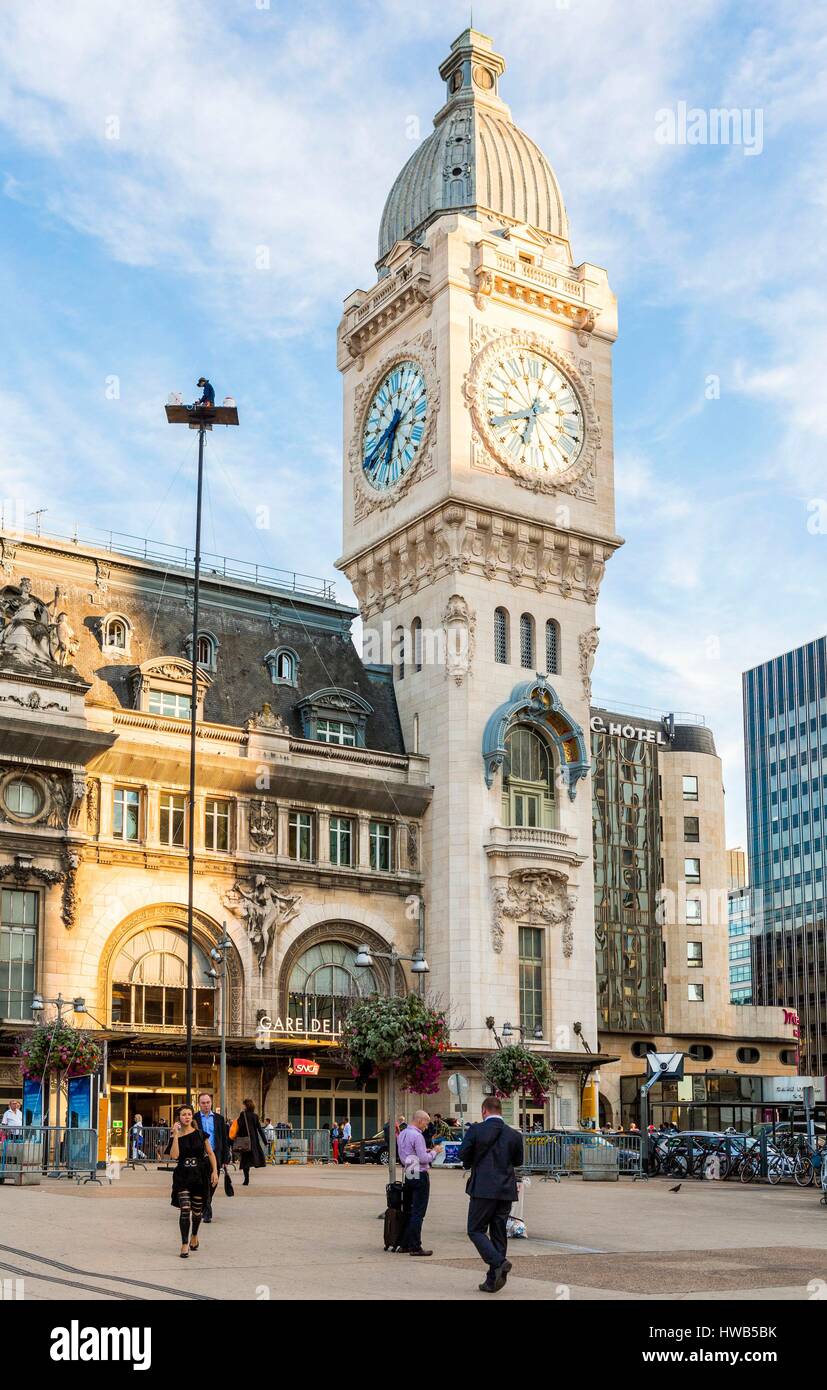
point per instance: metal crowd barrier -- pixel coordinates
(300, 1146)
(36, 1151)
(564, 1153)
(143, 1146)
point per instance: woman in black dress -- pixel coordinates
(249, 1143)
(196, 1171)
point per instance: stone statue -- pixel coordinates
(64, 641)
(588, 649)
(264, 911)
(25, 637)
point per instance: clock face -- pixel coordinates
(395, 425)
(532, 411)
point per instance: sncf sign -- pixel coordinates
(303, 1066)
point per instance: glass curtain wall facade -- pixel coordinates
(629, 940)
(740, 947)
(785, 726)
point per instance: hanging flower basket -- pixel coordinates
(404, 1033)
(515, 1070)
(56, 1047)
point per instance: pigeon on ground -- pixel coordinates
(676, 1189)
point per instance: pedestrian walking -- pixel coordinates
(416, 1159)
(248, 1140)
(136, 1140)
(215, 1128)
(492, 1150)
(335, 1140)
(194, 1177)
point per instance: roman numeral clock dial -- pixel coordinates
(533, 414)
(394, 425)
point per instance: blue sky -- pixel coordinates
(155, 158)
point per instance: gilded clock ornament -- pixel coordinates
(533, 412)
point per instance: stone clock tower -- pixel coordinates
(478, 518)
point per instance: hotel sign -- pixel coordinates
(615, 729)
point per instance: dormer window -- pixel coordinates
(206, 650)
(335, 715)
(283, 665)
(116, 635)
(163, 686)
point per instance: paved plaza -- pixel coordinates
(313, 1233)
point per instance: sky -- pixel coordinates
(195, 186)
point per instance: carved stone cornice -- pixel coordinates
(544, 289)
(458, 539)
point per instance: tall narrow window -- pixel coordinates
(126, 812)
(501, 636)
(217, 824)
(531, 980)
(341, 841)
(399, 644)
(381, 839)
(527, 641)
(301, 835)
(416, 639)
(552, 648)
(173, 819)
(18, 951)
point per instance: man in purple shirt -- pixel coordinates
(416, 1159)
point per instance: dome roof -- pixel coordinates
(476, 160)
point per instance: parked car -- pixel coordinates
(371, 1150)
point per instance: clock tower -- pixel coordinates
(478, 519)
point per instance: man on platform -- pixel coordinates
(492, 1150)
(215, 1128)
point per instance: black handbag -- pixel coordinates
(229, 1190)
(242, 1144)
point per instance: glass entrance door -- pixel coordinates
(313, 1102)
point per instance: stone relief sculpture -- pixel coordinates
(534, 897)
(459, 623)
(588, 649)
(264, 911)
(265, 718)
(93, 803)
(28, 637)
(262, 826)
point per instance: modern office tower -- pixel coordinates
(662, 929)
(785, 726)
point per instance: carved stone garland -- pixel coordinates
(533, 897)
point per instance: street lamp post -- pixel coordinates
(201, 416)
(419, 967)
(507, 1033)
(219, 955)
(77, 1006)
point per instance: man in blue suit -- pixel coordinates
(492, 1150)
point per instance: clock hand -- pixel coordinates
(506, 419)
(388, 430)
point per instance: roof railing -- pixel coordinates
(182, 557)
(646, 712)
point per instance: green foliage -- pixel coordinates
(57, 1047)
(515, 1070)
(405, 1033)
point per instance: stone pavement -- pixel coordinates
(313, 1233)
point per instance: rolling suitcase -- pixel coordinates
(394, 1223)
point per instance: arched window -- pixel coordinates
(283, 665)
(116, 635)
(149, 983)
(552, 648)
(323, 981)
(501, 636)
(416, 640)
(528, 780)
(206, 651)
(527, 641)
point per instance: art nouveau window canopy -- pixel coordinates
(535, 703)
